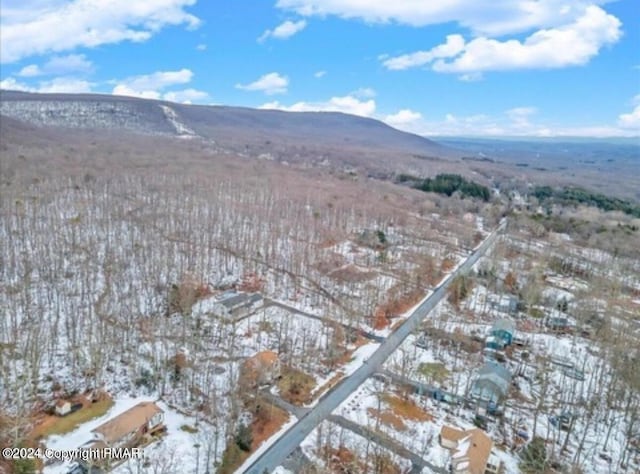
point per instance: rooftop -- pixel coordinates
(263, 359)
(128, 421)
(504, 324)
(495, 373)
(473, 450)
(239, 299)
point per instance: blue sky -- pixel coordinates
(451, 67)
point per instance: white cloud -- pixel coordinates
(31, 70)
(150, 85)
(346, 104)
(489, 17)
(402, 118)
(573, 44)
(59, 84)
(147, 86)
(186, 96)
(520, 117)
(364, 93)
(319, 74)
(123, 89)
(201, 47)
(570, 44)
(46, 26)
(284, 30)
(631, 121)
(514, 122)
(10, 84)
(453, 46)
(57, 65)
(65, 85)
(154, 85)
(518, 121)
(271, 83)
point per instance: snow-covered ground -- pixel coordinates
(176, 447)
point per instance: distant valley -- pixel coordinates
(314, 139)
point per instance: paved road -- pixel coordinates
(291, 439)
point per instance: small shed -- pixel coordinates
(504, 330)
(63, 407)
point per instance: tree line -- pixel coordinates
(575, 195)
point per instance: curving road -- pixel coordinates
(291, 439)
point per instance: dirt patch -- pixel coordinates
(342, 460)
(447, 264)
(296, 386)
(267, 421)
(406, 409)
(398, 302)
(387, 418)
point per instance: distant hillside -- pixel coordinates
(107, 127)
(274, 134)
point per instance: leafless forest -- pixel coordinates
(112, 242)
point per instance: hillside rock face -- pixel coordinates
(90, 114)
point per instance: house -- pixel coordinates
(503, 330)
(504, 304)
(491, 383)
(130, 427)
(558, 324)
(63, 407)
(241, 304)
(261, 369)
(229, 306)
(470, 451)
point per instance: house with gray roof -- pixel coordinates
(491, 383)
(230, 305)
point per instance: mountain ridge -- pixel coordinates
(214, 122)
